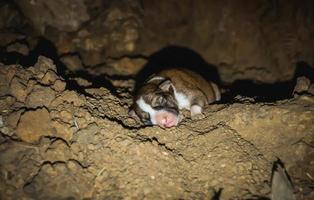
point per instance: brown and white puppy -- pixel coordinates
(160, 99)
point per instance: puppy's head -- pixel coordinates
(155, 104)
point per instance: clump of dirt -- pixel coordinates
(56, 143)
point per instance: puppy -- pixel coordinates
(163, 95)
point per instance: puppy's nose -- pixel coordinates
(167, 122)
(164, 120)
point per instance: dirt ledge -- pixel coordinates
(59, 144)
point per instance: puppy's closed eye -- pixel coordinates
(147, 122)
(145, 118)
(158, 101)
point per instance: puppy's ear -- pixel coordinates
(133, 114)
(166, 86)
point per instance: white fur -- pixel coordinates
(155, 78)
(195, 110)
(217, 91)
(147, 108)
(182, 99)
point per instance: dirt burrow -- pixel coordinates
(58, 144)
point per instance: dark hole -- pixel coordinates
(269, 92)
(176, 56)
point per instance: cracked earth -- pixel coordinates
(60, 144)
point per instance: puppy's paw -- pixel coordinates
(196, 112)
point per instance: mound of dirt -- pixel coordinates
(59, 144)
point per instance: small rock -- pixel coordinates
(302, 85)
(87, 136)
(49, 78)
(40, 96)
(33, 125)
(5, 103)
(130, 46)
(72, 62)
(59, 86)
(57, 151)
(62, 130)
(18, 90)
(6, 131)
(128, 66)
(114, 14)
(48, 169)
(31, 85)
(44, 64)
(13, 118)
(6, 75)
(19, 48)
(82, 82)
(69, 97)
(73, 165)
(81, 122)
(91, 147)
(75, 147)
(66, 116)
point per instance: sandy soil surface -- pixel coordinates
(59, 144)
